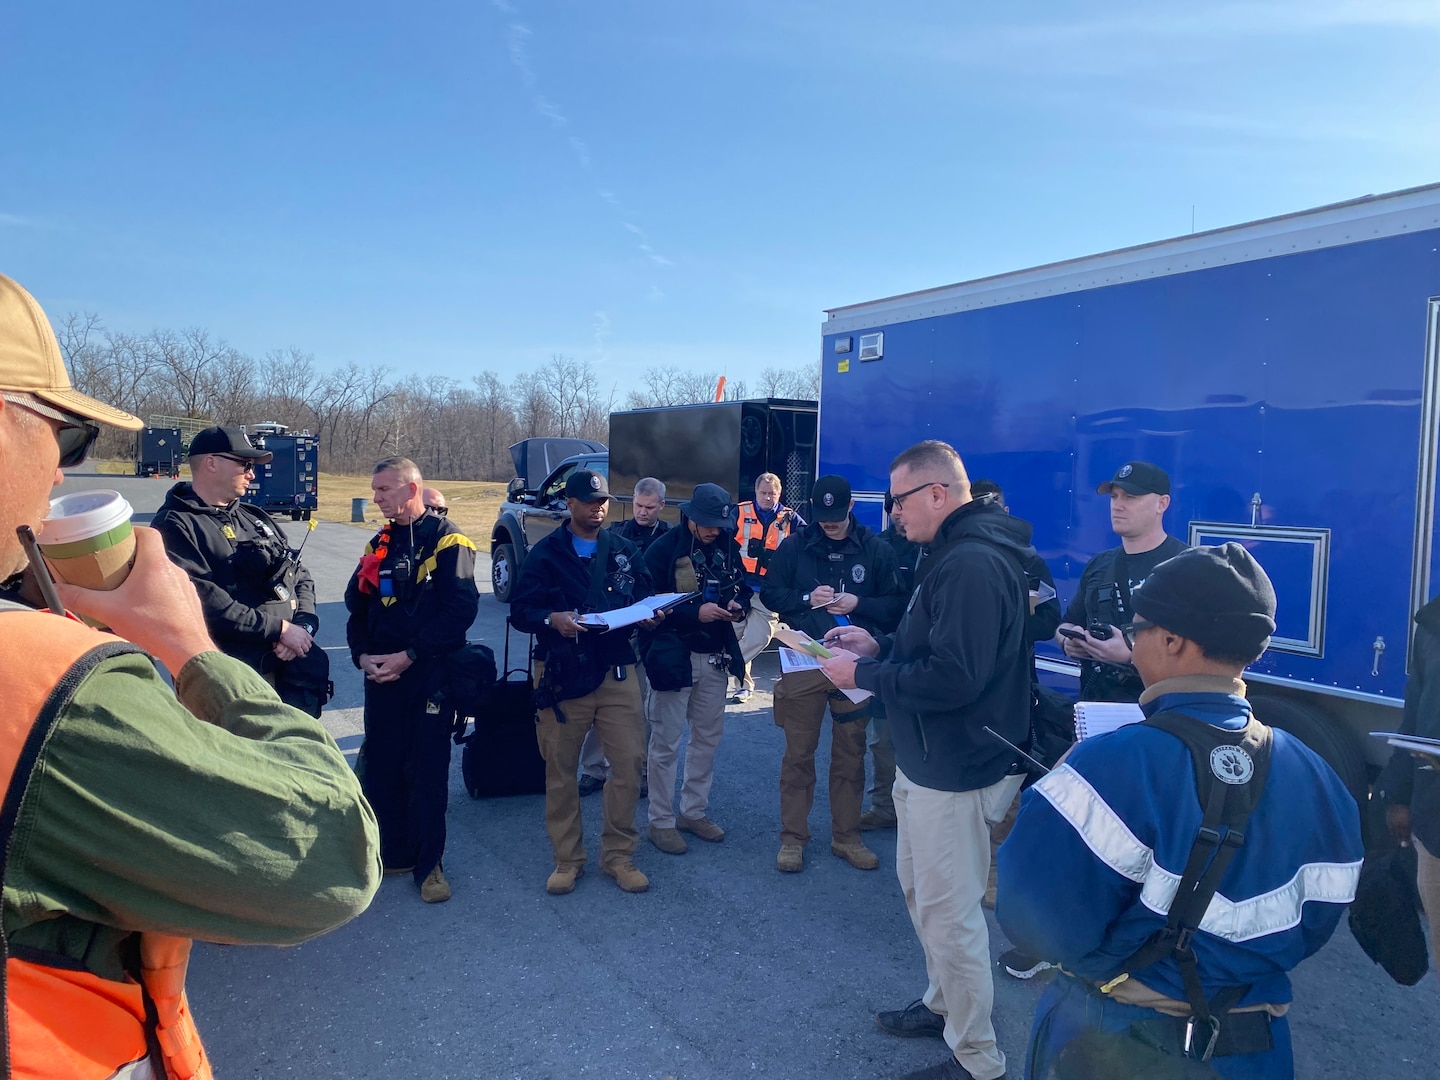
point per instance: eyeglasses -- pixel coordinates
(897, 502)
(246, 464)
(441, 510)
(75, 436)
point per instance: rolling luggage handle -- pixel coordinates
(505, 669)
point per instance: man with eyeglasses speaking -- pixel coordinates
(957, 664)
(259, 601)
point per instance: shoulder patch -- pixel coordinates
(858, 572)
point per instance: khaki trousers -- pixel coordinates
(942, 856)
(592, 754)
(613, 710)
(754, 634)
(702, 706)
(1428, 879)
(800, 701)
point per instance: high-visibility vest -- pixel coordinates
(749, 528)
(66, 1023)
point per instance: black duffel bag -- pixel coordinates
(468, 681)
(500, 756)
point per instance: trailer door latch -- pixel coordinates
(1379, 647)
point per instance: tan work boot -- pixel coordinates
(562, 880)
(668, 840)
(857, 855)
(627, 877)
(874, 819)
(791, 859)
(435, 889)
(702, 827)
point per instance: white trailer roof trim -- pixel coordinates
(1369, 218)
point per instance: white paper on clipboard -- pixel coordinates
(793, 660)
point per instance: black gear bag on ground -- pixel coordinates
(500, 756)
(1385, 915)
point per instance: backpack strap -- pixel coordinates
(1231, 768)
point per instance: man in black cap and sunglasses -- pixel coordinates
(259, 601)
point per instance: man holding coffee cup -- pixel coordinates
(143, 817)
(259, 601)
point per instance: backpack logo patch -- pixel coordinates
(1231, 765)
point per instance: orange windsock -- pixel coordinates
(720, 389)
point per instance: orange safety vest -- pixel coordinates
(64, 1022)
(750, 529)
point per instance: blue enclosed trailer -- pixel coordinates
(1284, 372)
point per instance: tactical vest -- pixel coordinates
(64, 1022)
(757, 543)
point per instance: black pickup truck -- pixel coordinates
(535, 502)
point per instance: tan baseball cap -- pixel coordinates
(30, 361)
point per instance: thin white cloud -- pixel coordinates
(517, 40)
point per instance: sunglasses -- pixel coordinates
(897, 501)
(441, 510)
(246, 464)
(75, 436)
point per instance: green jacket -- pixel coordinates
(244, 826)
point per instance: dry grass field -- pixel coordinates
(473, 504)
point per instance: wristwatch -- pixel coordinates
(547, 619)
(805, 599)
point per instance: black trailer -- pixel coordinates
(287, 483)
(160, 451)
(728, 443)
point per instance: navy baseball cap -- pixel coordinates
(1138, 478)
(586, 486)
(226, 440)
(711, 507)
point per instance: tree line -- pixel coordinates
(453, 428)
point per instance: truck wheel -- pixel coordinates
(1323, 733)
(305, 516)
(502, 571)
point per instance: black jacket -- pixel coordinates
(907, 554)
(959, 660)
(678, 562)
(1402, 782)
(640, 537)
(436, 602)
(1112, 682)
(862, 564)
(233, 554)
(555, 578)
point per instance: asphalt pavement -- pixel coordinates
(724, 969)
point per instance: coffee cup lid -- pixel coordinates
(83, 514)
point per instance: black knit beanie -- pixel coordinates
(1218, 597)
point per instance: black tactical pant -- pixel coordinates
(407, 769)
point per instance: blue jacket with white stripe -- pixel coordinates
(1096, 854)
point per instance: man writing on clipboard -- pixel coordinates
(586, 678)
(834, 572)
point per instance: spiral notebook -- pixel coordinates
(1102, 717)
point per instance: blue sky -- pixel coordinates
(451, 187)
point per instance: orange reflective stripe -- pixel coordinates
(73, 1024)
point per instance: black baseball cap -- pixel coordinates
(710, 507)
(586, 486)
(1138, 478)
(830, 499)
(226, 440)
